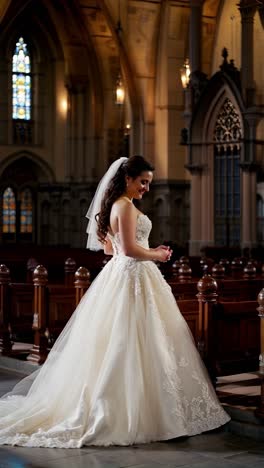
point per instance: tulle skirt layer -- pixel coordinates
(124, 370)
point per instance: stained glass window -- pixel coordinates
(21, 82)
(26, 211)
(9, 211)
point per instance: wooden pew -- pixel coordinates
(260, 373)
(228, 331)
(235, 335)
(5, 340)
(47, 307)
(20, 305)
(212, 321)
(16, 301)
(53, 306)
(227, 289)
(15, 257)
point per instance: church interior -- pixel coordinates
(181, 82)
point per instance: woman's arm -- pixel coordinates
(127, 224)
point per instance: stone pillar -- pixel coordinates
(247, 10)
(195, 34)
(196, 208)
(76, 167)
(248, 198)
(55, 219)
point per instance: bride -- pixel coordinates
(125, 368)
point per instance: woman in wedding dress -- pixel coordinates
(125, 368)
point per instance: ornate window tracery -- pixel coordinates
(227, 138)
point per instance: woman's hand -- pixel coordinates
(162, 253)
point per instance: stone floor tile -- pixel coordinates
(126, 458)
(249, 458)
(219, 464)
(38, 454)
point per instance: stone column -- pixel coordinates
(247, 10)
(76, 132)
(195, 34)
(196, 208)
(248, 198)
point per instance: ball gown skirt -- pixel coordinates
(124, 370)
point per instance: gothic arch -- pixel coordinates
(213, 112)
(41, 167)
(219, 87)
(38, 30)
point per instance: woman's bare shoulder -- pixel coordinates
(123, 203)
(124, 208)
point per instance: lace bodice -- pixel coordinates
(142, 234)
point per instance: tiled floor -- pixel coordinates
(217, 449)
(241, 390)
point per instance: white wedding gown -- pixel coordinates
(124, 370)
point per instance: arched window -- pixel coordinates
(26, 211)
(9, 211)
(227, 136)
(21, 82)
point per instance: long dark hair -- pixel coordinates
(132, 167)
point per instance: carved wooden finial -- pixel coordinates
(236, 263)
(82, 277)
(225, 262)
(260, 300)
(40, 275)
(69, 265)
(236, 266)
(218, 271)
(249, 270)
(4, 274)
(185, 272)
(207, 287)
(175, 267)
(184, 260)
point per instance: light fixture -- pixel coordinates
(185, 74)
(64, 105)
(119, 89)
(127, 129)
